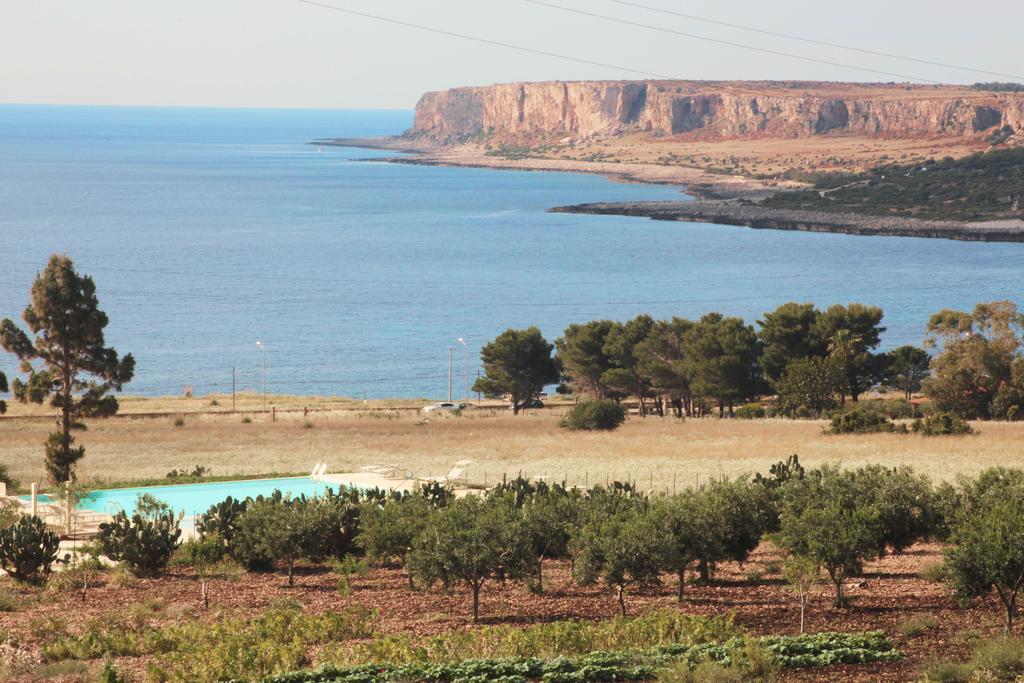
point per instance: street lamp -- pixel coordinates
(465, 349)
(261, 347)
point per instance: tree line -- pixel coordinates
(813, 360)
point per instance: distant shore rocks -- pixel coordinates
(761, 217)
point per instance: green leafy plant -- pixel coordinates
(471, 541)
(151, 507)
(346, 569)
(28, 550)
(941, 424)
(145, 545)
(861, 420)
(751, 411)
(601, 415)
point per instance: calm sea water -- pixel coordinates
(209, 229)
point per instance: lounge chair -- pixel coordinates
(454, 475)
(386, 471)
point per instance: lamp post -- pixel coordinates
(465, 349)
(261, 347)
(450, 349)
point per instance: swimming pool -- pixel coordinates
(195, 499)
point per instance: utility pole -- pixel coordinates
(450, 374)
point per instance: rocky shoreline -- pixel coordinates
(765, 218)
(726, 200)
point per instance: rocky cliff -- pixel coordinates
(723, 110)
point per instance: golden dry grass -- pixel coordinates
(498, 443)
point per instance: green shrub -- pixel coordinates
(28, 550)
(942, 424)
(221, 519)
(276, 529)
(917, 625)
(947, 672)
(861, 420)
(936, 573)
(998, 659)
(144, 545)
(277, 641)
(346, 569)
(568, 638)
(197, 472)
(204, 550)
(151, 507)
(750, 659)
(595, 415)
(1003, 657)
(6, 478)
(9, 602)
(9, 513)
(896, 409)
(750, 411)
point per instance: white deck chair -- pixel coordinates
(454, 475)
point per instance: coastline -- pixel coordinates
(717, 196)
(764, 218)
(690, 180)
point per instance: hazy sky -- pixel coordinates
(283, 53)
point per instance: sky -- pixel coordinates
(285, 53)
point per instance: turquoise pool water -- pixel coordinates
(195, 499)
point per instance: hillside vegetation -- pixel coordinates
(983, 186)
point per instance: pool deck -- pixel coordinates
(85, 523)
(369, 480)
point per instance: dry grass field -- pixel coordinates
(348, 434)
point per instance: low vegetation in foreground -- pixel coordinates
(827, 524)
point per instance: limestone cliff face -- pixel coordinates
(714, 110)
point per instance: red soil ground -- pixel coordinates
(890, 592)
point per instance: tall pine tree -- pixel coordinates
(67, 361)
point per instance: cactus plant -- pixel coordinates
(144, 544)
(28, 550)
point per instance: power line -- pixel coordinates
(813, 41)
(485, 41)
(744, 46)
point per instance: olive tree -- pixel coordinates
(471, 541)
(825, 519)
(987, 553)
(836, 537)
(619, 550)
(67, 362)
(274, 530)
(681, 526)
(548, 519)
(388, 529)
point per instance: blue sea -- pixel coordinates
(209, 229)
